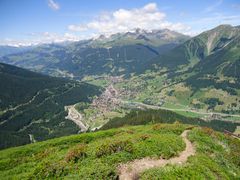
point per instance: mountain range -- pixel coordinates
(182, 93)
(121, 53)
(162, 68)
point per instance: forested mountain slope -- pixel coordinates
(32, 105)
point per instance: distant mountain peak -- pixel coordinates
(154, 37)
(140, 31)
(223, 26)
(102, 37)
(143, 37)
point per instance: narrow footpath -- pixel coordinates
(131, 170)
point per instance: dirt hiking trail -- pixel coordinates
(131, 170)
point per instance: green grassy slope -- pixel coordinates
(32, 105)
(200, 47)
(97, 155)
(217, 158)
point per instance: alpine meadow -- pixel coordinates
(120, 89)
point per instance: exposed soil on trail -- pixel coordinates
(131, 170)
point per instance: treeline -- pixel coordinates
(142, 117)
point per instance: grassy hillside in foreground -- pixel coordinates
(32, 105)
(97, 155)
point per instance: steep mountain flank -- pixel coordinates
(32, 105)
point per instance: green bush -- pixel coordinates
(110, 147)
(207, 130)
(167, 128)
(76, 153)
(234, 154)
(145, 137)
(96, 170)
(43, 154)
(50, 169)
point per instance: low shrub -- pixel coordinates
(208, 131)
(190, 127)
(96, 170)
(76, 153)
(130, 131)
(234, 154)
(157, 126)
(50, 170)
(114, 146)
(176, 128)
(43, 154)
(124, 132)
(144, 137)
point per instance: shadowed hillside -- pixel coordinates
(32, 105)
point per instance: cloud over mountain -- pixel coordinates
(122, 20)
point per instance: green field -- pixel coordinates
(97, 155)
(212, 161)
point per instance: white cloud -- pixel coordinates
(151, 7)
(41, 38)
(53, 5)
(148, 17)
(77, 28)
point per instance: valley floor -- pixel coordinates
(116, 100)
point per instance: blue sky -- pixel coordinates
(43, 21)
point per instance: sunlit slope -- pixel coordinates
(98, 155)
